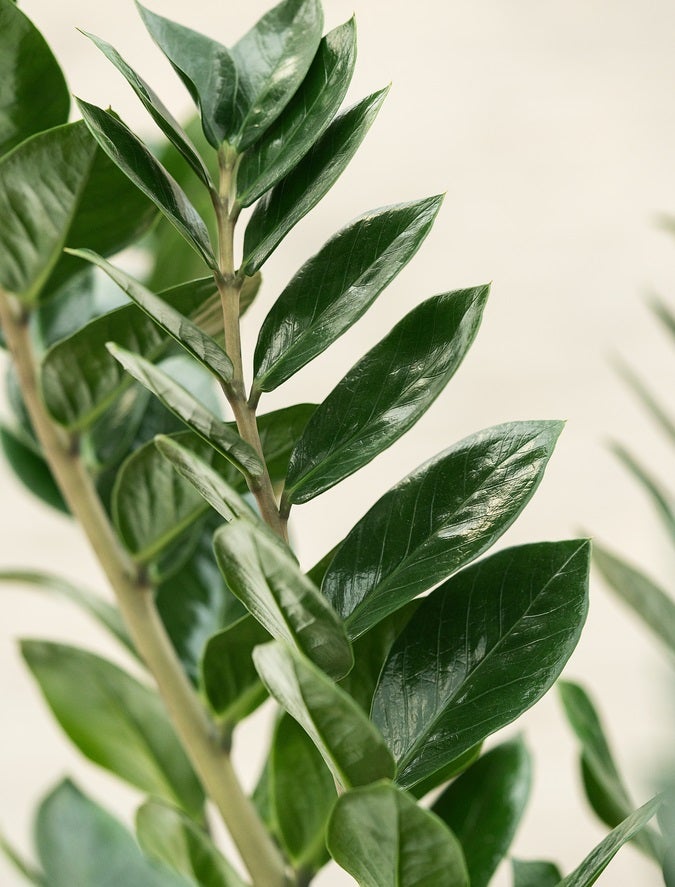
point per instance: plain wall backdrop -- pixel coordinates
(552, 128)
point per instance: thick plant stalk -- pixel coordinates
(136, 603)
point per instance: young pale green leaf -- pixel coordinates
(302, 794)
(114, 720)
(157, 110)
(604, 786)
(75, 194)
(263, 574)
(80, 380)
(101, 611)
(651, 603)
(31, 469)
(34, 93)
(304, 119)
(598, 859)
(384, 839)
(197, 417)
(409, 368)
(137, 163)
(190, 336)
(304, 186)
(350, 745)
(26, 869)
(446, 513)
(535, 873)
(168, 836)
(484, 806)
(661, 498)
(479, 651)
(228, 676)
(335, 287)
(194, 603)
(81, 844)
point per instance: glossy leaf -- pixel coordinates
(81, 844)
(263, 574)
(446, 513)
(604, 786)
(188, 334)
(299, 191)
(31, 469)
(187, 408)
(157, 110)
(479, 651)
(80, 380)
(409, 368)
(649, 602)
(279, 432)
(335, 287)
(195, 604)
(137, 163)
(597, 861)
(661, 498)
(451, 771)
(100, 610)
(304, 119)
(168, 836)
(484, 806)
(34, 93)
(228, 676)
(384, 839)
(74, 193)
(348, 742)
(535, 873)
(302, 793)
(114, 720)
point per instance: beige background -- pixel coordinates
(552, 128)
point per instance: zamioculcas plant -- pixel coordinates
(404, 648)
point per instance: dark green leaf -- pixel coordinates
(660, 497)
(450, 771)
(157, 110)
(485, 805)
(335, 287)
(263, 574)
(653, 605)
(598, 859)
(279, 433)
(197, 417)
(228, 676)
(80, 379)
(103, 612)
(349, 744)
(302, 793)
(106, 443)
(436, 520)
(479, 651)
(130, 154)
(168, 836)
(535, 873)
(34, 94)
(114, 720)
(300, 191)
(383, 839)
(604, 786)
(26, 869)
(81, 845)
(31, 469)
(305, 118)
(188, 334)
(408, 369)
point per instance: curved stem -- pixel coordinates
(136, 603)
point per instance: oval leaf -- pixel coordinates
(31, 469)
(383, 839)
(479, 651)
(447, 512)
(484, 806)
(408, 369)
(114, 720)
(535, 874)
(263, 574)
(335, 287)
(349, 743)
(299, 192)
